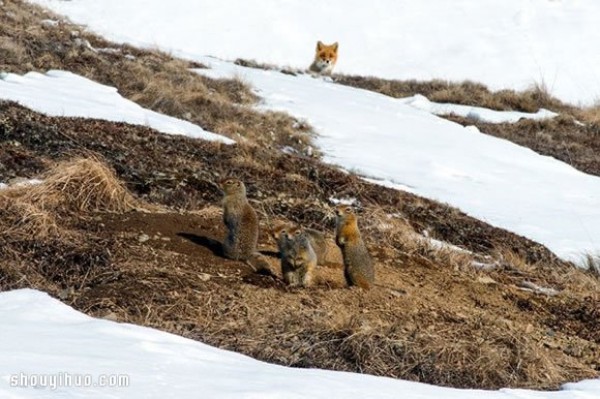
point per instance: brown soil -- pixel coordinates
(432, 318)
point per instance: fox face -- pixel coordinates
(325, 58)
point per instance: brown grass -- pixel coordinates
(80, 185)
(466, 93)
(151, 78)
(39, 244)
(21, 220)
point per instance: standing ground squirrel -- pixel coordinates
(298, 259)
(358, 265)
(241, 222)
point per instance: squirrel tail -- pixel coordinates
(258, 262)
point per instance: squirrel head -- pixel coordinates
(231, 186)
(295, 232)
(280, 230)
(345, 213)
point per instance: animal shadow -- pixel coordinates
(215, 246)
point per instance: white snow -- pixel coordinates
(477, 114)
(60, 93)
(506, 44)
(45, 341)
(396, 145)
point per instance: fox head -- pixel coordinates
(326, 54)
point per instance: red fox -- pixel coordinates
(325, 58)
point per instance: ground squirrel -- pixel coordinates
(241, 222)
(358, 265)
(281, 235)
(282, 232)
(298, 259)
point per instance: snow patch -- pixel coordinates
(60, 93)
(477, 114)
(42, 336)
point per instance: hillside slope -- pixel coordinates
(123, 223)
(161, 267)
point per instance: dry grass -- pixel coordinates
(76, 186)
(466, 93)
(24, 220)
(80, 185)
(39, 243)
(592, 264)
(151, 78)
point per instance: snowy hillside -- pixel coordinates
(502, 43)
(45, 343)
(364, 131)
(389, 140)
(59, 93)
(48, 349)
(496, 181)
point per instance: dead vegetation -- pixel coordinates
(151, 78)
(592, 264)
(465, 93)
(441, 314)
(79, 185)
(40, 244)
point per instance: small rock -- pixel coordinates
(529, 329)
(551, 345)
(111, 316)
(397, 293)
(66, 293)
(486, 280)
(204, 276)
(143, 238)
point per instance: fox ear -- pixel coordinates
(335, 46)
(319, 45)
